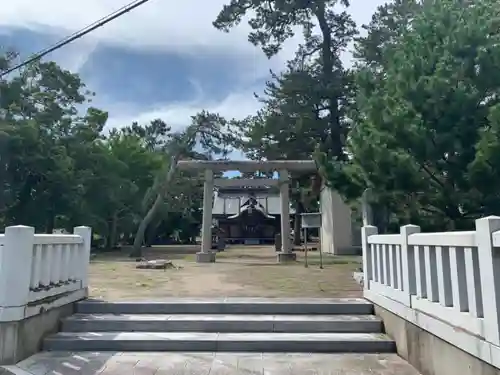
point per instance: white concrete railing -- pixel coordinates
(40, 271)
(453, 277)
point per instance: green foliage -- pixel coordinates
(416, 120)
(59, 168)
(427, 111)
(305, 105)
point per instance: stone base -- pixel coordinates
(21, 339)
(286, 257)
(202, 257)
(429, 355)
(359, 277)
(277, 242)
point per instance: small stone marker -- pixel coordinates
(359, 277)
(221, 244)
(277, 242)
(157, 264)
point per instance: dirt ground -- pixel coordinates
(240, 271)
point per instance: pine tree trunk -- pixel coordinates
(162, 191)
(328, 76)
(299, 208)
(113, 235)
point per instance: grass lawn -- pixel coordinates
(240, 271)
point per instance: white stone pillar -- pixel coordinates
(16, 256)
(489, 269)
(366, 207)
(367, 231)
(286, 250)
(336, 224)
(206, 255)
(409, 272)
(86, 234)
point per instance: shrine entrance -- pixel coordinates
(253, 224)
(248, 215)
(283, 167)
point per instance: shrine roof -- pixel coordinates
(245, 191)
(230, 204)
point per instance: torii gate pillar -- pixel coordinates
(206, 255)
(286, 254)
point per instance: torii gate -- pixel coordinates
(283, 167)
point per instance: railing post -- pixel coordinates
(489, 270)
(15, 266)
(86, 234)
(367, 231)
(408, 261)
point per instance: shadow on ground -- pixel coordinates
(238, 272)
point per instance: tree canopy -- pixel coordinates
(415, 117)
(60, 169)
(426, 111)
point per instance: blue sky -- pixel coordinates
(160, 60)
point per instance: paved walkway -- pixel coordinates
(58, 363)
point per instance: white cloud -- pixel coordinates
(157, 24)
(184, 28)
(181, 26)
(236, 105)
(74, 56)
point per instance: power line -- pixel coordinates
(77, 35)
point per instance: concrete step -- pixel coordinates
(218, 363)
(218, 342)
(272, 306)
(222, 323)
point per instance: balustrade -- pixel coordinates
(37, 267)
(451, 276)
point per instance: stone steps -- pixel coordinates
(215, 342)
(272, 306)
(224, 325)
